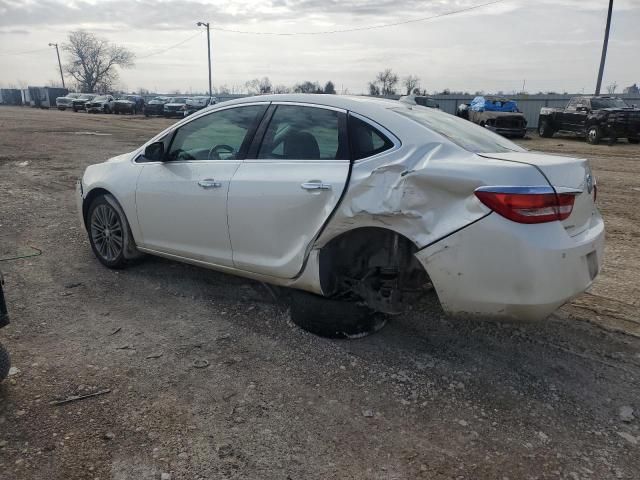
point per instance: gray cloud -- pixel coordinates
(553, 44)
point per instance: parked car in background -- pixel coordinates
(175, 107)
(362, 201)
(100, 104)
(80, 102)
(498, 114)
(132, 104)
(197, 103)
(420, 100)
(155, 106)
(67, 101)
(595, 117)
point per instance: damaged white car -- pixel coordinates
(355, 200)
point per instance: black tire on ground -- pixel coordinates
(333, 318)
(5, 362)
(75, 110)
(594, 135)
(109, 233)
(545, 130)
(146, 114)
(633, 140)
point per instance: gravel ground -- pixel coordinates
(208, 378)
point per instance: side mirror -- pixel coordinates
(154, 152)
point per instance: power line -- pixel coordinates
(24, 53)
(199, 32)
(359, 29)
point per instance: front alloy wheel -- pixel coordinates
(593, 135)
(106, 234)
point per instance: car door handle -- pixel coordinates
(316, 185)
(209, 183)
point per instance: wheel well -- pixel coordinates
(86, 203)
(372, 264)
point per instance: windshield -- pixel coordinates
(178, 100)
(86, 97)
(160, 99)
(100, 99)
(598, 103)
(463, 133)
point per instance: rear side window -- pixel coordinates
(303, 133)
(365, 139)
(463, 133)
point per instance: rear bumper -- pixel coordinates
(499, 268)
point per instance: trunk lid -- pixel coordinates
(562, 173)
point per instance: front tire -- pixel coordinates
(333, 318)
(635, 141)
(109, 232)
(5, 363)
(594, 135)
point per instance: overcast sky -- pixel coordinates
(550, 44)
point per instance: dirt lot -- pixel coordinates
(426, 397)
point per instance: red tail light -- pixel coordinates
(527, 204)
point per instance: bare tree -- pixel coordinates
(612, 88)
(411, 83)
(329, 87)
(281, 89)
(259, 86)
(308, 87)
(93, 61)
(388, 81)
(374, 89)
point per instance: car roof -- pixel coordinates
(347, 102)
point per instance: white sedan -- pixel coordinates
(354, 198)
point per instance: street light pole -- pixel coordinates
(205, 24)
(604, 48)
(59, 63)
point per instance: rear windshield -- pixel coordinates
(462, 132)
(598, 103)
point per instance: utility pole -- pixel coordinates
(206, 24)
(604, 48)
(59, 64)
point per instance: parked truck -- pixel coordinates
(595, 117)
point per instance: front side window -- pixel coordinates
(463, 133)
(573, 103)
(304, 133)
(220, 135)
(366, 140)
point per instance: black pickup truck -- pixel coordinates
(595, 117)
